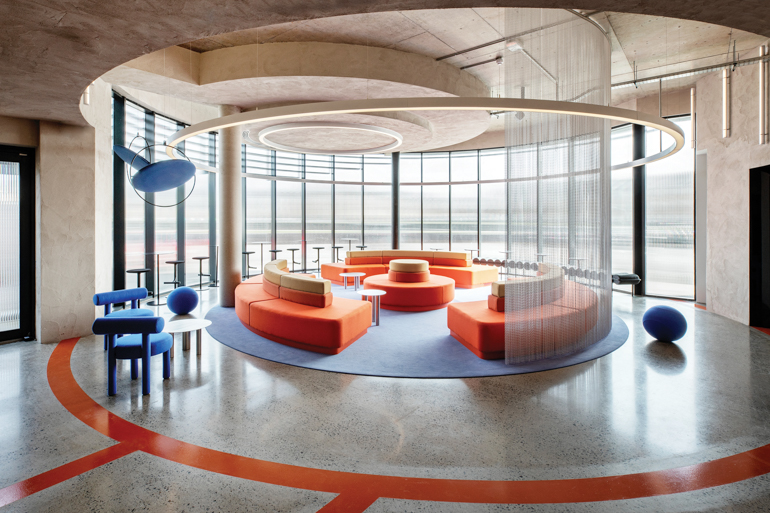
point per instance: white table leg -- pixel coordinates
(199, 341)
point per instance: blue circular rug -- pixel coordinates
(404, 345)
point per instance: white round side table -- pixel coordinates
(356, 279)
(373, 295)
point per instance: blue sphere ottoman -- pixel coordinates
(664, 323)
(182, 300)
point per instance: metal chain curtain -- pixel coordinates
(558, 196)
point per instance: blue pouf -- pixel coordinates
(664, 323)
(182, 300)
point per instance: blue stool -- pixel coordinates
(143, 339)
(107, 299)
(664, 323)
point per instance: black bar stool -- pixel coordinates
(336, 253)
(247, 263)
(318, 249)
(292, 257)
(175, 282)
(275, 253)
(200, 271)
(361, 247)
(138, 273)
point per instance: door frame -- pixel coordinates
(26, 159)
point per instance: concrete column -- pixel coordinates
(230, 208)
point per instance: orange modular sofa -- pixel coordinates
(568, 310)
(300, 311)
(452, 264)
(410, 287)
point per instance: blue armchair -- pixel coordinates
(107, 299)
(143, 339)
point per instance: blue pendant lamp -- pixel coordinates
(159, 176)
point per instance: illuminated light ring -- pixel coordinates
(262, 136)
(303, 110)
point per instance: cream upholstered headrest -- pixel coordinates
(363, 254)
(409, 265)
(405, 253)
(455, 255)
(306, 284)
(273, 271)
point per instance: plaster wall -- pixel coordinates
(729, 161)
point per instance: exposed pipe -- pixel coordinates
(526, 32)
(688, 73)
(726, 102)
(762, 96)
(693, 125)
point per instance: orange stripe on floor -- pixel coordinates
(60, 474)
(349, 503)
(358, 491)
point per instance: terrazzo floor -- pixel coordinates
(645, 407)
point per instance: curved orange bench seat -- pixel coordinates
(409, 277)
(464, 277)
(326, 330)
(482, 329)
(467, 277)
(332, 272)
(300, 312)
(413, 297)
(245, 295)
(478, 328)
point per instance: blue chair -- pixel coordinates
(107, 299)
(143, 338)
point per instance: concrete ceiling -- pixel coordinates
(657, 45)
(51, 51)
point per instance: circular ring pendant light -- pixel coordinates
(305, 110)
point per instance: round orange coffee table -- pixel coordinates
(436, 293)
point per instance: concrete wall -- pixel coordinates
(66, 241)
(19, 132)
(729, 161)
(74, 220)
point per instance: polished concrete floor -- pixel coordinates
(647, 407)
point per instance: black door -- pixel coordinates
(17, 238)
(759, 247)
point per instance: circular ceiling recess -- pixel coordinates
(328, 138)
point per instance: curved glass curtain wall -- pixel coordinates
(459, 217)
